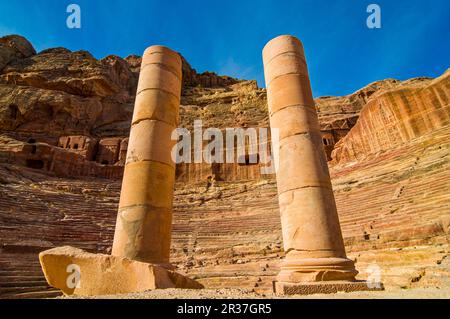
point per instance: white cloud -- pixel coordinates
(233, 69)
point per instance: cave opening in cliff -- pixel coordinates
(105, 162)
(35, 164)
(13, 111)
(248, 160)
(178, 171)
(33, 148)
(215, 170)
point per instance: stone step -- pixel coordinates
(16, 290)
(32, 295)
(20, 279)
(23, 283)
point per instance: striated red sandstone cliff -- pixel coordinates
(396, 116)
(61, 94)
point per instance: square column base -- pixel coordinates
(323, 287)
(77, 272)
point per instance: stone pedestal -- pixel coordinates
(315, 254)
(141, 249)
(321, 287)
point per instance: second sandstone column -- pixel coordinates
(143, 228)
(311, 232)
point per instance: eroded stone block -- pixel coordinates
(302, 163)
(151, 141)
(157, 77)
(144, 233)
(147, 107)
(77, 272)
(294, 120)
(288, 90)
(138, 189)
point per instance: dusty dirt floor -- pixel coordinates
(418, 293)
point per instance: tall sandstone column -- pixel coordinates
(315, 254)
(140, 255)
(143, 229)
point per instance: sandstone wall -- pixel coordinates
(57, 93)
(395, 117)
(57, 161)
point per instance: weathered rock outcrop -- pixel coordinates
(206, 79)
(396, 116)
(64, 119)
(14, 47)
(58, 92)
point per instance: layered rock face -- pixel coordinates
(57, 97)
(64, 122)
(13, 48)
(58, 92)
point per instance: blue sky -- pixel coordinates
(227, 36)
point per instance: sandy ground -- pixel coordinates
(419, 293)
